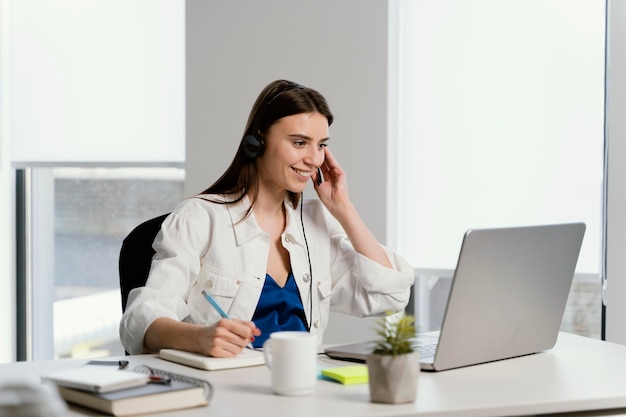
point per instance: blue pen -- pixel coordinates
(217, 307)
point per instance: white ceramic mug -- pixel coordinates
(292, 358)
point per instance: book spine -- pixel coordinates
(206, 385)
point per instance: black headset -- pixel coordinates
(253, 143)
(253, 146)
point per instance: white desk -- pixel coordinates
(578, 374)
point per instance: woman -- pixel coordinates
(271, 261)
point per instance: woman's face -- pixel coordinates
(294, 149)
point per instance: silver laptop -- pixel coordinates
(507, 298)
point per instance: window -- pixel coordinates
(94, 209)
(78, 219)
(501, 124)
(97, 137)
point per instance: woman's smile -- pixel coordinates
(304, 174)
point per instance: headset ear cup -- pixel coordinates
(253, 146)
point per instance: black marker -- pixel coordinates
(120, 364)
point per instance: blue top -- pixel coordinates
(279, 308)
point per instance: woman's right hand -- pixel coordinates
(223, 339)
(226, 338)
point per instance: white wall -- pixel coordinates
(235, 48)
(616, 134)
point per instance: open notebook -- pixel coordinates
(507, 298)
(246, 357)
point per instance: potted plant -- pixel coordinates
(393, 365)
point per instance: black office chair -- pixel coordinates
(136, 256)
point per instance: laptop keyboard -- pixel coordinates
(427, 350)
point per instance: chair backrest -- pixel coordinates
(136, 256)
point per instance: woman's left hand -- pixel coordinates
(333, 191)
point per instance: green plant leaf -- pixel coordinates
(396, 335)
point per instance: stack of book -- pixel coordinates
(125, 393)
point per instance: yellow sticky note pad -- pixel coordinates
(348, 375)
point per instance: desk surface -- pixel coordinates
(578, 374)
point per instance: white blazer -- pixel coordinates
(203, 245)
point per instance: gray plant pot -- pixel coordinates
(393, 379)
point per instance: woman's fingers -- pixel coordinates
(230, 337)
